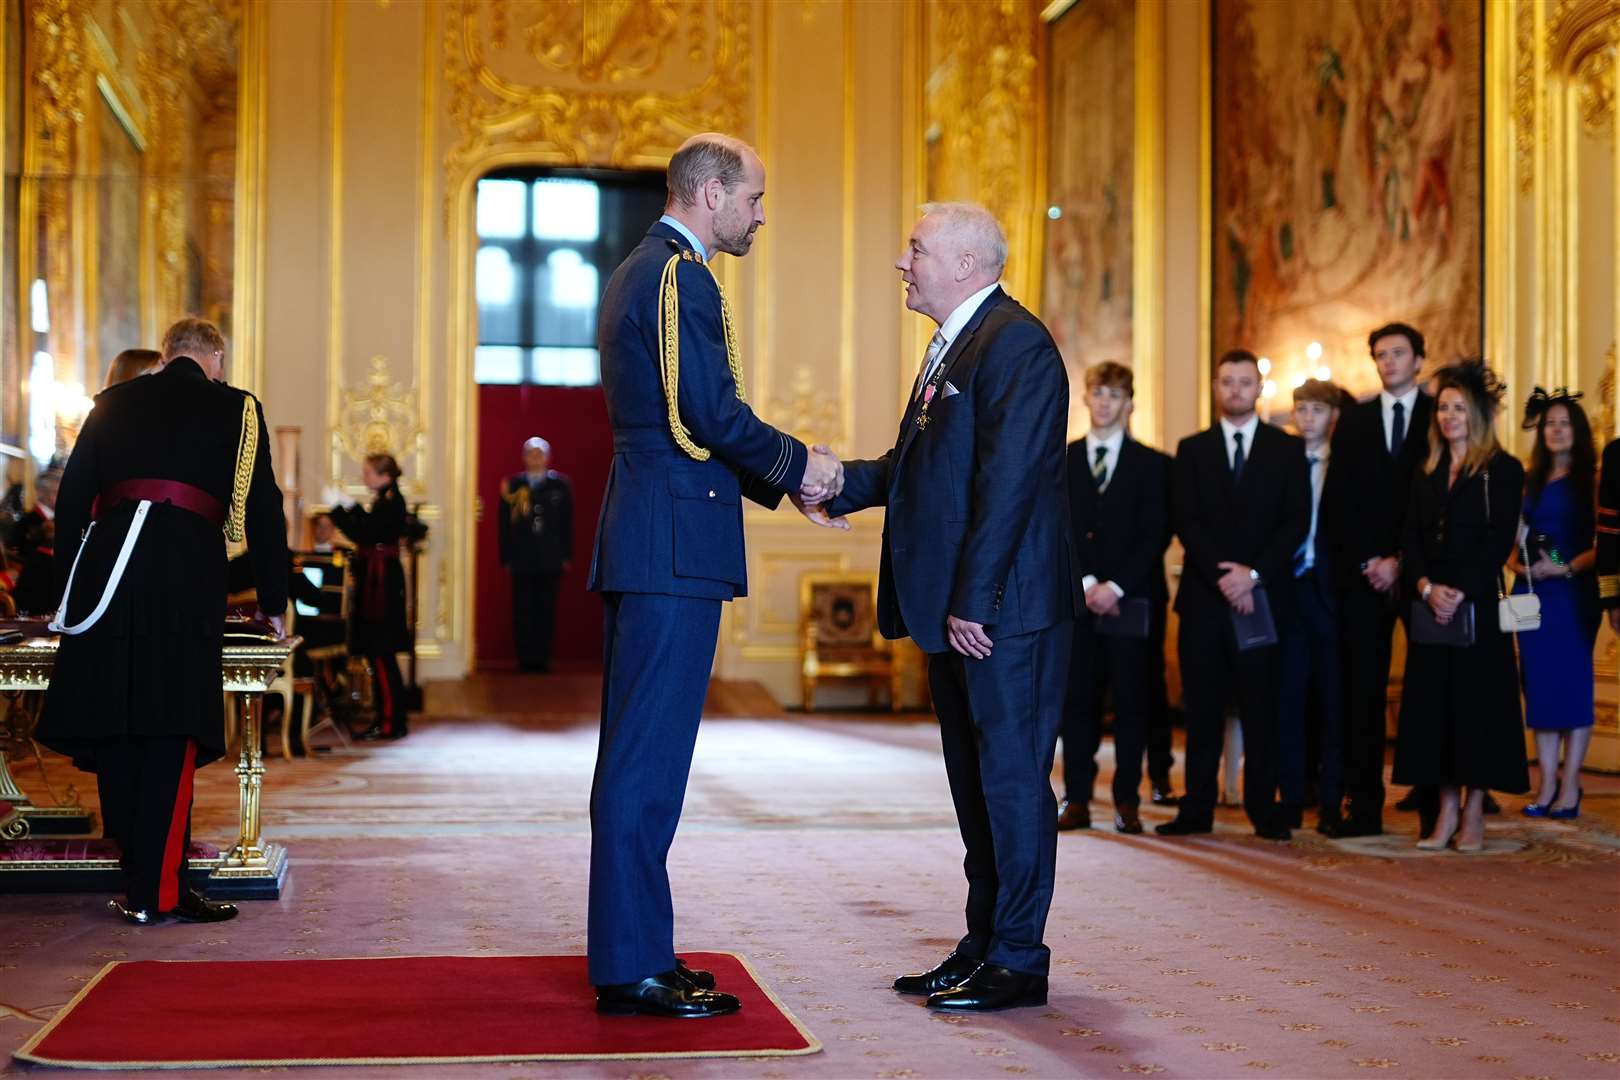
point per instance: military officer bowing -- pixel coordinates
(669, 550)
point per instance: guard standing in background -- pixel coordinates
(537, 545)
(161, 465)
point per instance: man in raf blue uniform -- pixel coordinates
(669, 551)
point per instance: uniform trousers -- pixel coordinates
(658, 652)
(145, 784)
(998, 721)
(388, 692)
(1214, 671)
(534, 617)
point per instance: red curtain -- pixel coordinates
(574, 420)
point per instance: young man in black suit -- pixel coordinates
(1310, 650)
(1241, 503)
(1118, 503)
(1377, 447)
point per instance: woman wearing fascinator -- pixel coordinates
(1461, 729)
(1560, 524)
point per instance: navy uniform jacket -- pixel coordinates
(670, 524)
(978, 506)
(537, 524)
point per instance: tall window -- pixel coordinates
(548, 240)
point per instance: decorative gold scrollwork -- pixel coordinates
(1582, 36)
(378, 418)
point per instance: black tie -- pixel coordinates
(1397, 428)
(1237, 456)
(1099, 468)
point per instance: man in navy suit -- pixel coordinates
(1119, 507)
(669, 551)
(1241, 503)
(976, 568)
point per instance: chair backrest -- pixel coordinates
(839, 610)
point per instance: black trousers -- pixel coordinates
(388, 691)
(534, 617)
(1160, 759)
(1312, 709)
(1366, 627)
(1097, 663)
(1213, 672)
(998, 723)
(146, 785)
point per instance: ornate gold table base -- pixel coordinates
(251, 869)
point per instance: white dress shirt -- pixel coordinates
(1386, 405)
(952, 326)
(1318, 478)
(1247, 431)
(1110, 447)
(697, 245)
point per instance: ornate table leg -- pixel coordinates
(251, 869)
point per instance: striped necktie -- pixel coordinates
(1099, 468)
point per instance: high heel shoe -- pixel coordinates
(1569, 813)
(1539, 809)
(1435, 841)
(1471, 848)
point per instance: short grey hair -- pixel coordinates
(976, 229)
(537, 443)
(702, 158)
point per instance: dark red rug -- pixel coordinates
(157, 1014)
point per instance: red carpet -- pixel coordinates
(402, 1010)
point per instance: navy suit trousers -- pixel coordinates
(999, 721)
(658, 652)
(1310, 675)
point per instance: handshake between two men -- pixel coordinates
(823, 482)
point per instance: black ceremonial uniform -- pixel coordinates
(377, 625)
(537, 539)
(137, 695)
(1608, 528)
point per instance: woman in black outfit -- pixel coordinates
(1460, 721)
(377, 627)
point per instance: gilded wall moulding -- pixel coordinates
(59, 65)
(378, 418)
(808, 411)
(1582, 37)
(613, 99)
(982, 113)
(1524, 92)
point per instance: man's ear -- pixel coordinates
(713, 189)
(965, 265)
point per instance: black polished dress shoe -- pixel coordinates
(1352, 828)
(1180, 826)
(1330, 826)
(1292, 816)
(667, 995)
(1273, 830)
(1410, 801)
(696, 978)
(950, 973)
(194, 909)
(990, 988)
(1127, 820)
(1073, 814)
(377, 732)
(135, 916)
(1165, 795)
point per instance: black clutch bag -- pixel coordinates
(1257, 629)
(1458, 633)
(1131, 622)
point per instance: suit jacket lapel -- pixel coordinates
(956, 349)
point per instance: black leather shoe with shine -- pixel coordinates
(1073, 814)
(666, 995)
(990, 988)
(1180, 826)
(950, 973)
(696, 978)
(1127, 820)
(375, 733)
(1164, 795)
(194, 909)
(136, 916)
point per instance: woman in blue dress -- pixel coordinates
(1556, 660)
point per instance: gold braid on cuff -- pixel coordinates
(669, 337)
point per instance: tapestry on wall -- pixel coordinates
(1087, 290)
(1348, 179)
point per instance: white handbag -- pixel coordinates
(1516, 613)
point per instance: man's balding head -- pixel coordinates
(717, 189)
(956, 249)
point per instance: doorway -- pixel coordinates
(548, 240)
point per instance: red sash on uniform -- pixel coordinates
(374, 594)
(174, 492)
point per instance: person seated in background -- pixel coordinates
(37, 591)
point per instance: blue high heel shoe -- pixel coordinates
(1572, 813)
(1539, 810)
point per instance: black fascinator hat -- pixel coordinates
(1474, 378)
(1540, 401)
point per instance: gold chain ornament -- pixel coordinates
(669, 335)
(247, 450)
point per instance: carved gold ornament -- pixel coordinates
(378, 418)
(1582, 37)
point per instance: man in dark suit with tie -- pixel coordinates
(976, 568)
(1311, 710)
(1241, 504)
(1378, 446)
(537, 545)
(1120, 515)
(669, 551)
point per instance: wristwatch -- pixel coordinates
(1254, 575)
(1428, 587)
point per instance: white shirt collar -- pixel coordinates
(697, 245)
(1228, 429)
(1408, 399)
(1322, 454)
(1111, 444)
(957, 319)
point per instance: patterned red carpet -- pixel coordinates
(824, 849)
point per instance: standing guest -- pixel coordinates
(1241, 505)
(1460, 722)
(165, 461)
(377, 625)
(976, 567)
(687, 449)
(1556, 660)
(1378, 446)
(1310, 652)
(1607, 565)
(1117, 504)
(132, 363)
(537, 545)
